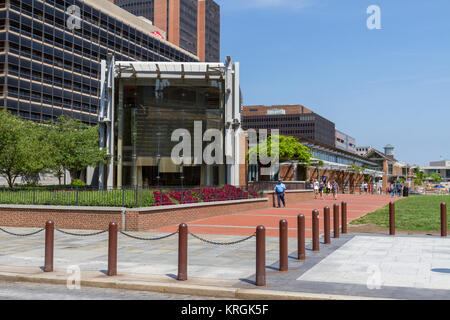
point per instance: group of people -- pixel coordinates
(395, 189)
(321, 186)
(367, 188)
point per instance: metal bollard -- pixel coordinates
(301, 237)
(327, 225)
(260, 256)
(336, 220)
(392, 218)
(112, 249)
(444, 219)
(49, 245)
(182, 252)
(315, 227)
(283, 245)
(344, 217)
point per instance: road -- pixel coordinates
(37, 291)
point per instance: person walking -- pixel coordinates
(335, 188)
(321, 188)
(316, 188)
(280, 189)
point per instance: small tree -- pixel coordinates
(289, 149)
(75, 146)
(436, 177)
(23, 148)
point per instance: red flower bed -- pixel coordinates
(205, 194)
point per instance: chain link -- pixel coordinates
(222, 243)
(148, 239)
(82, 234)
(21, 235)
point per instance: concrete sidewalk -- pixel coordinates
(402, 267)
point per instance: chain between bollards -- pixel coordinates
(336, 220)
(301, 237)
(392, 218)
(327, 225)
(112, 249)
(260, 256)
(49, 245)
(344, 217)
(283, 245)
(444, 219)
(315, 227)
(182, 252)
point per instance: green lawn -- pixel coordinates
(416, 213)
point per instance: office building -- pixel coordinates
(193, 25)
(291, 120)
(50, 53)
(345, 142)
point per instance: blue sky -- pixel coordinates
(388, 86)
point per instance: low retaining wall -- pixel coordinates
(141, 219)
(90, 218)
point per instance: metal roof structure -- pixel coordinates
(170, 70)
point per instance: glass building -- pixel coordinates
(151, 102)
(50, 53)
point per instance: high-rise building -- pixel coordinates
(290, 120)
(194, 25)
(50, 53)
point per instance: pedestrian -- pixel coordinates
(321, 188)
(316, 188)
(280, 189)
(335, 188)
(361, 188)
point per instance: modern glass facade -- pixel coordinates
(51, 69)
(152, 110)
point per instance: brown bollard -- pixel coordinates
(392, 218)
(344, 217)
(444, 219)
(49, 245)
(315, 227)
(336, 220)
(112, 249)
(283, 245)
(182, 252)
(301, 237)
(260, 256)
(327, 225)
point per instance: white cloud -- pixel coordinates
(263, 4)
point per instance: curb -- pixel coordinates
(184, 289)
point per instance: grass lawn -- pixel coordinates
(416, 213)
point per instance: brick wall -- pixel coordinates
(143, 219)
(36, 217)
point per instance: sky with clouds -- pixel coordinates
(388, 86)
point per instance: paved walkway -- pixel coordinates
(400, 267)
(245, 223)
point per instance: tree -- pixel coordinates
(420, 176)
(436, 177)
(23, 148)
(75, 146)
(289, 149)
